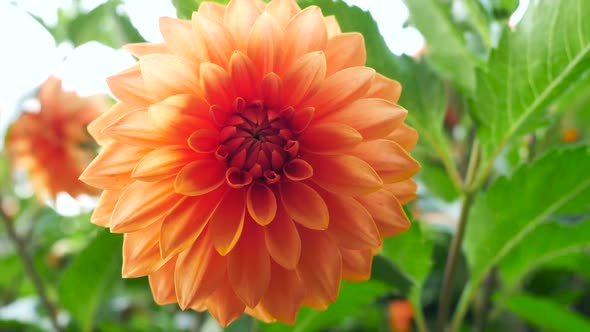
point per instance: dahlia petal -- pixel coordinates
(142, 204)
(388, 159)
(302, 119)
(304, 78)
(199, 271)
(405, 136)
(238, 179)
(332, 26)
(129, 87)
(179, 38)
(265, 44)
(244, 75)
(162, 283)
(319, 268)
(212, 10)
(329, 138)
(136, 128)
(227, 222)
(284, 295)
(373, 118)
(248, 265)
(261, 203)
(282, 11)
(104, 209)
(178, 116)
(305, 33)
(217, 84)
(272, 90)
(167, 75)
(404, 191)
(387, 212)
(384, 88)
(239, 18)
(340, 89)
(95, 127)
(141, 253)
(215, 37)
(112, 168)
(141, 49)
(162, 163)
(282, 240)
(304, 205)
(186, 221)
(224, 305)
(345, 50)
(260, 313)
(344, 174)
(200, 177)
(356, 264)
(351, 225)
(204, 140)
(297, 170)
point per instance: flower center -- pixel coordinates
(256, 141)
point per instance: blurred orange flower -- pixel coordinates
(253, 161)
(53, 145)
(400, 315)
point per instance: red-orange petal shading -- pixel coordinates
(356, 264)
(283, 241)
(162, 283)
(227, 221)
(285, 294)
(199, 177)
(262, 204)
(304, 205)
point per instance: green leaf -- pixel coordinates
(438, 182)
(512, 208)
(546, 54)
(544, 244)
(185, 8)
(578, 262)
(546, 314)
(103, 24)
(15, 326)
(88, 280)
(479, 20)
(446, 47)
(351, 298)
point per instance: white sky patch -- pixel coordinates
(518, 13)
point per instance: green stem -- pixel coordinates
(418, 313)
(29, 267)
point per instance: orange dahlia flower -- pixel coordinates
(252, 161)
(52, 145)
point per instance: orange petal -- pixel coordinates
(272, 90)
(212, 10)
(265, 44)
(262, 203)
(282, 11)
(95, 127)
(356, 264)
(240, 16)
(405, 136)
(282, 240)
(128, 86)
(404, 191)
(141, 253)
(104, 209)
(305, 33)
(387, 212)
(384, 88)
(162, 163)
(162, 283)
(204, 140)
(373, 118)
(177, 117)
(167, 75)
(344, 174)
(185, 222)
(332, 26)
(224, 305)
(112, 168)
(141, 49)
(179, 38)
(304, 205)
(215, 38)
(200, 177)
(260, 313)
(142, 204)
(329, 138)
(136, 128)
(297, 170)
(340, 89)
(284, 295)
(345, 50)
(319, 268)
(388, 159)
(199, 271)
(227, 221)
(248, 265)
(244, 75)
(351, 225)
(303, 78)
(217, 84)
